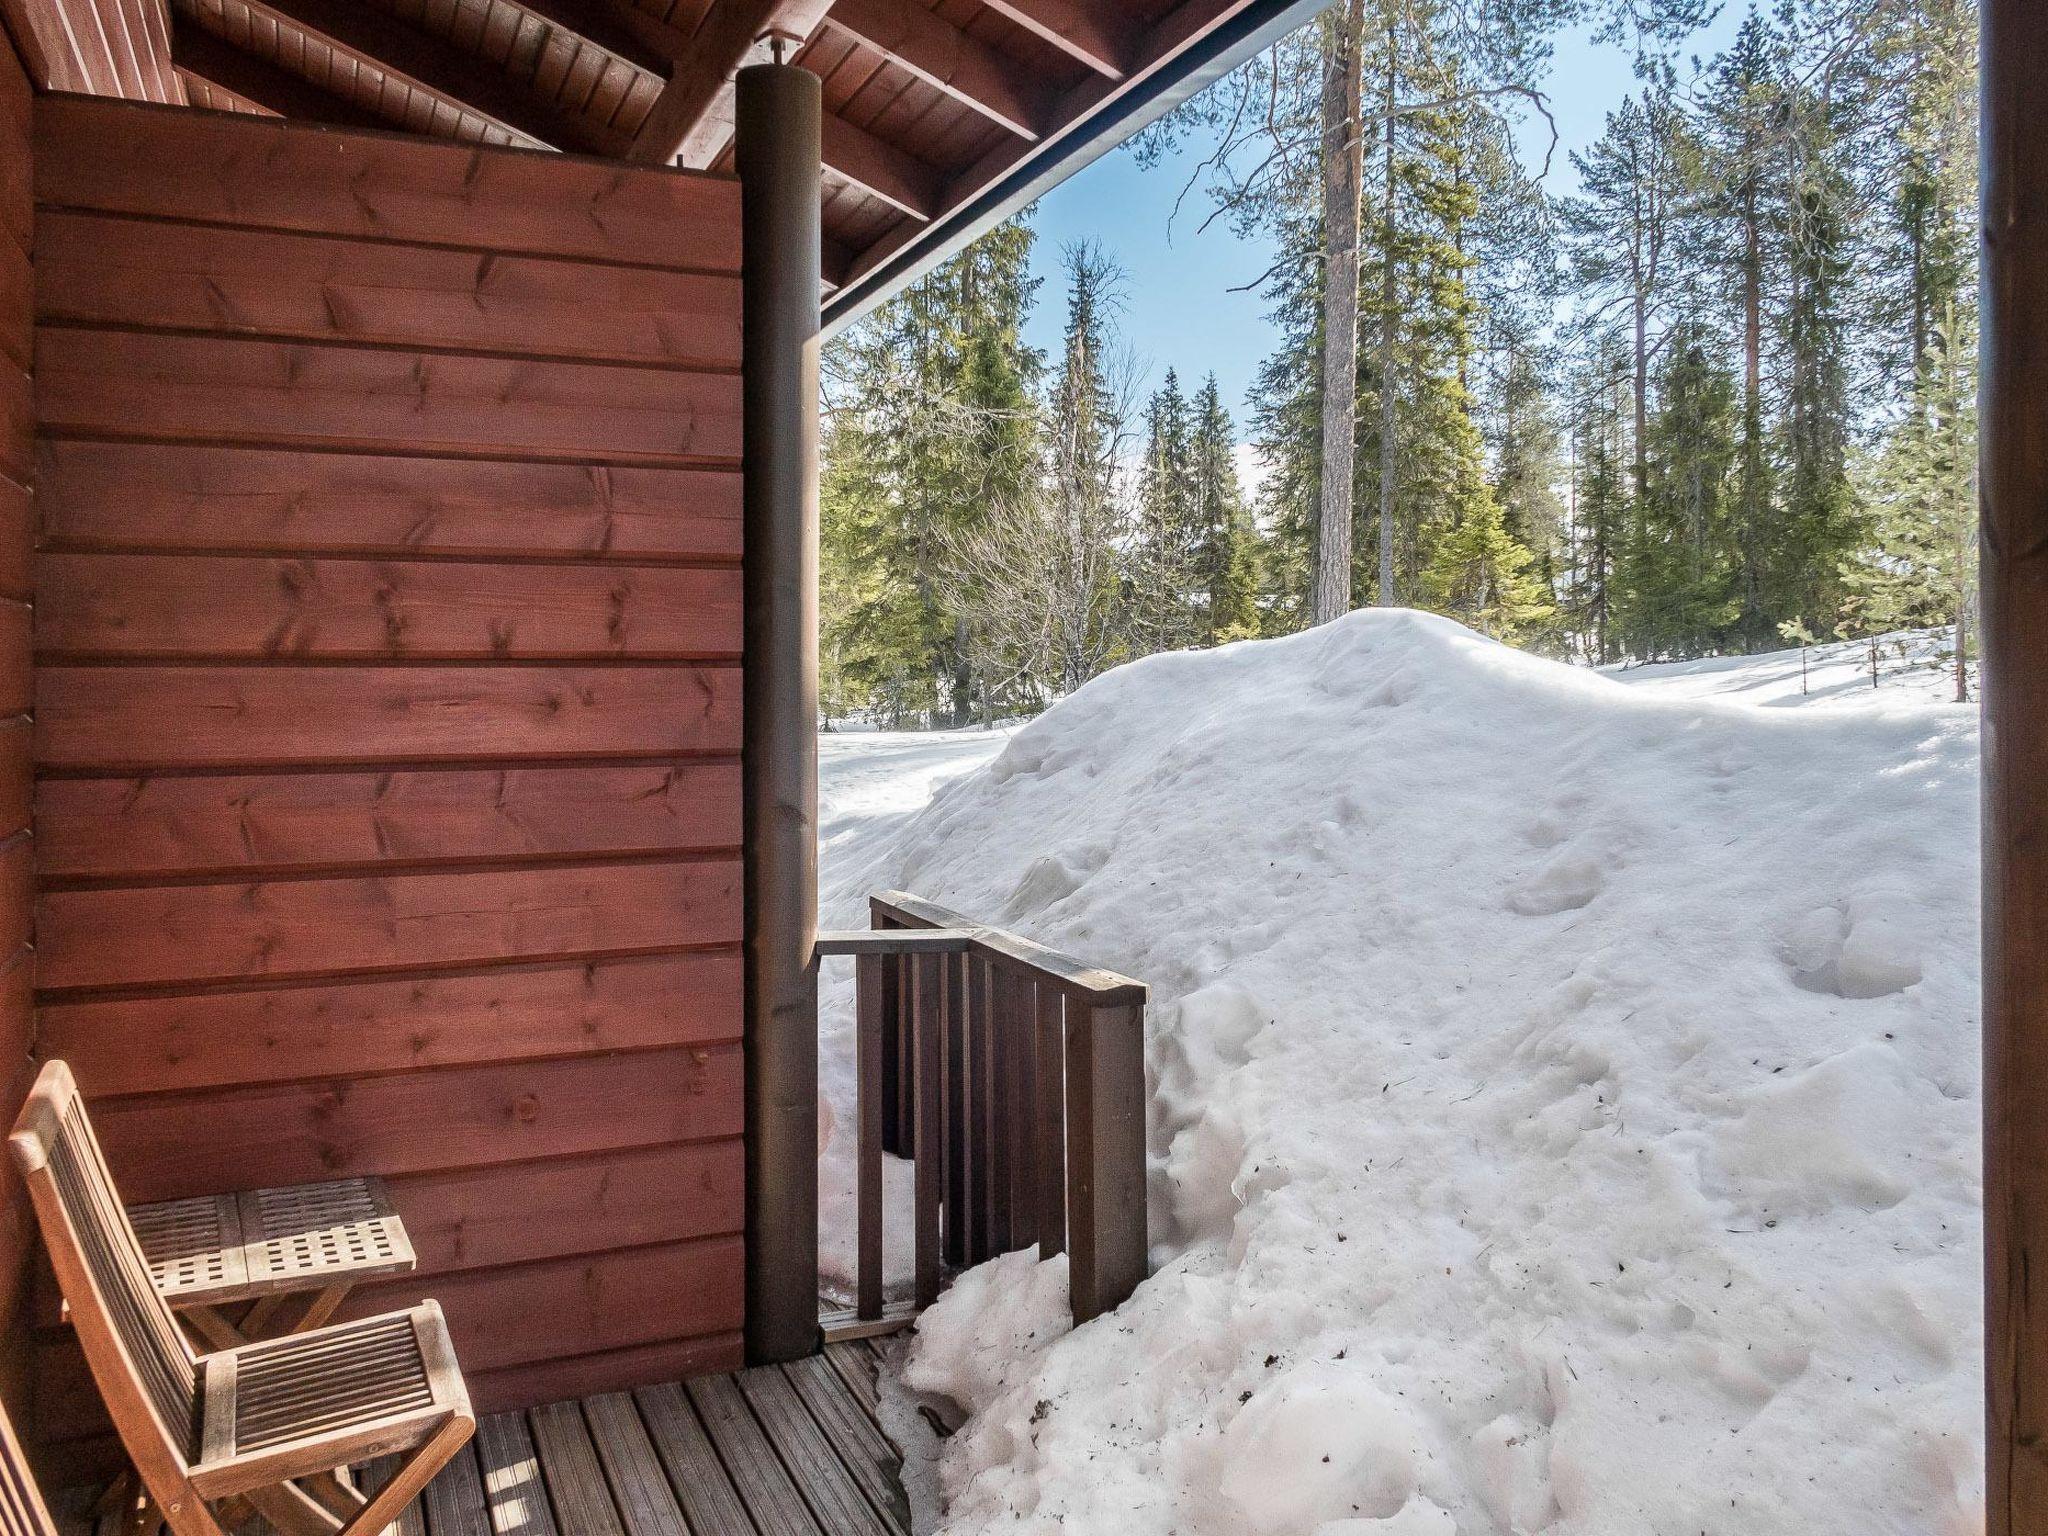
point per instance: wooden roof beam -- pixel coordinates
(899, 179)
(949, 60)
(1096, 34)
(619, 27)
(198, 55)
(439, 70)
(698, 97)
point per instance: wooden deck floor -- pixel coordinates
(792, 1450)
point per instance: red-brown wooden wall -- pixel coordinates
(17, 1226)
(387, 706)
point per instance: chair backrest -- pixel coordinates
(22, 1510)
(139, 1357)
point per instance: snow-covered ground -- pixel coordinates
(1565, 1093)
(1914, 666)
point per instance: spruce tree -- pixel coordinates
(1741, 118)
(932, 423)
(1162, 558)
(1227, 546)
(1675, 585)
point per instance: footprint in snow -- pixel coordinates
(1565, 884)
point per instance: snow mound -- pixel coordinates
(1564, 1111)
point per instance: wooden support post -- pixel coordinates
(1105, 1156)
(776, 145)
(2014, 503)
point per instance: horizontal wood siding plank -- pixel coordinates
(17, 780)
(17, 424)
(420, 1122)
(17, 293)
(123, 718)
(17, 196)
(262, 173)
(163, 607)
(539, 1311)
(186, 934)
(191, 825)
(212, 389)
(491, 1216)
(615, 1370)
(188, 1042)
(138, 272)
(17, 540)
(17, 893)
(200, 498)
(17, 687)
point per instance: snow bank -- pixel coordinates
(1565, 1102)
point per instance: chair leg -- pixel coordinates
(209, 1329)
(321, 1308)
(145, 1518)
(292, 1511)
(412, 1475)
(333, 1492)
(118, 1495)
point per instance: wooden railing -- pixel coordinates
(1013, 1076)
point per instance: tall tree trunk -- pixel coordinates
(1389, 294)
(1752, 413)
(1343, 175)
(1917, 244)
(1642, 393)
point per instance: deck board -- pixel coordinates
(778, 1451)
(710, 1501)
(514, 1489)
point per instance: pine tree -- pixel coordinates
(1041, 578)
(1621, 228)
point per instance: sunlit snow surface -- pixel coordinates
(1565, 1091)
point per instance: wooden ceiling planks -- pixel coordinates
(933, 107)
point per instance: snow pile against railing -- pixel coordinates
(1565, 1109)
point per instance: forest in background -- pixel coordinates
(1719, 399)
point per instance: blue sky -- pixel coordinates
(1179, 310)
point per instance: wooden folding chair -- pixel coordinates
(276, 1422)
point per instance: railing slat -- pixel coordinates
(1020, 1082)
(873, 1029)
(987, 1128)
(928, 1027)
(889, 1092)
(1049, 1025)
(957, 1195)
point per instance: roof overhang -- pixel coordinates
(1118, 117)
